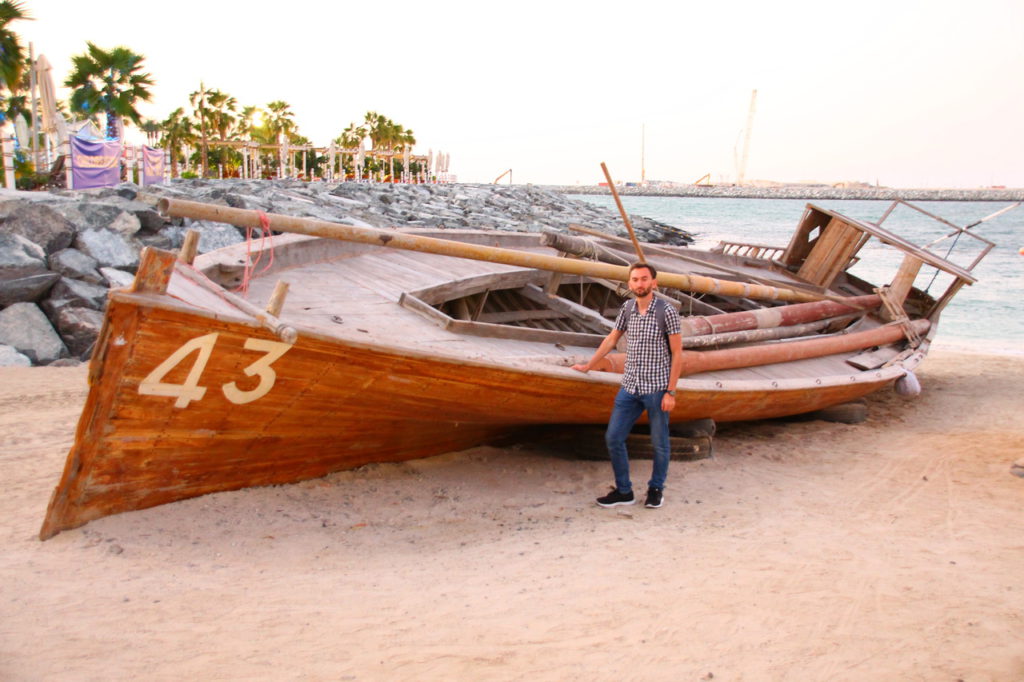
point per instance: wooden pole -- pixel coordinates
(399, 240)
(202, 127)
(8, 147)
(189, 247)
(277, 298)
(33, 87)
(269, 322)
(622, 212)
(695, 362)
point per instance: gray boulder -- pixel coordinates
(20, 256)
(10, 357)
(126, 190)
(26, 289)
(75, 264)
(126, 223)
(108, 248)
(79, 328)
(117, 278)
(108, 215)
(160, 240)
(23, 273)
(39, 223)
(211, 235)
(24, 327)
(79, 294)
(149, 220)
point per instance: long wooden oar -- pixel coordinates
(446, 247)
(622, 212)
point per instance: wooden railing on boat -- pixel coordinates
(321, 228)
(761, 251)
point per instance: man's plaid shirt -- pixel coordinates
(648, 358)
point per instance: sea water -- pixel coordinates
(987, 316)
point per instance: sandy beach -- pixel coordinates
(804, 550)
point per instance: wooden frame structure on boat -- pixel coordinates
(826, 244)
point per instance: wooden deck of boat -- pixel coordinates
(353, 292)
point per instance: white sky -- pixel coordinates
(903, 92)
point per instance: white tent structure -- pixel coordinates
(53, 124)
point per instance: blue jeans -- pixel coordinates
(628, 408)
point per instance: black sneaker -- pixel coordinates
(654, 498)
(615, 498)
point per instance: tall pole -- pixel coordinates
(742, 171)
(622, 212)
(35, 108)
(643, 149)
(202, 126)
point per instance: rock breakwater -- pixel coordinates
(60, 252)
(812, 192)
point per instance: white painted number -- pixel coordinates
(273, 350)
(190, 390)
(185, 393)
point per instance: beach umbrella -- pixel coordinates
(21, 132)
(53, 123)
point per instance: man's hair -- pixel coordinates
(650, 268)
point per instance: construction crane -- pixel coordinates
(498, 179)
(742, 170)
(705, 178)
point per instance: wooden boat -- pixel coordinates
(393, 345)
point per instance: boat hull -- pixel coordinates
(184, 403)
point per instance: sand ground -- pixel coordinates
(887, 550)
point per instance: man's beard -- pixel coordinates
(640, 292)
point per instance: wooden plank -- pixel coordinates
(819, 260)
(437, 294)
(526, 334)
(872, 359)
(507, 316)
(903, 281)
(154, 272)
(585, 315)
(431, 313)
(844, 252)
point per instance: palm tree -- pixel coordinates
(152, 130)
(247, 125)
(109, 81)
(198, 101)
(220, 117)
(280, 119)
(350, 138)
(12, 57)
(405, 140)
(177, 133)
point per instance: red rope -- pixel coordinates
(250, 264)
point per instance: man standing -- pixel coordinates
(653, 362)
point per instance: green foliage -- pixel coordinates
(108, 81)
(177, 132)
(12, 55)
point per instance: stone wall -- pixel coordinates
(801, 192)
(60, 252)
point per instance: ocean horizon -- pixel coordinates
(986, 317)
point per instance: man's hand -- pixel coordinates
(668, 403)
(582, 367)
